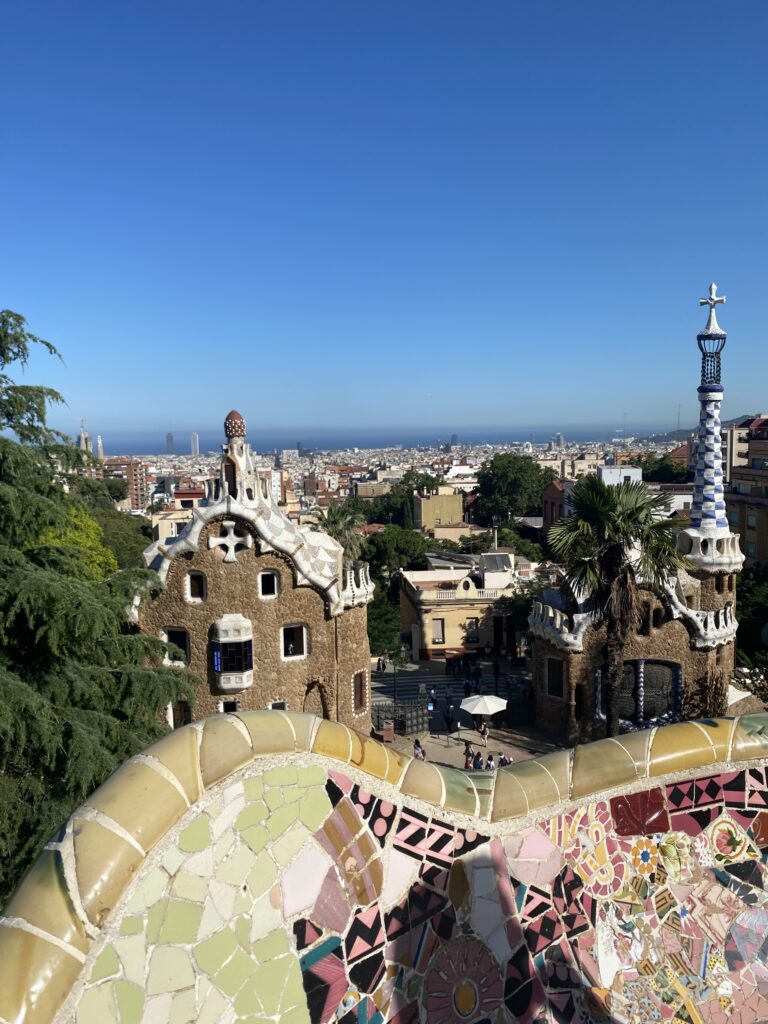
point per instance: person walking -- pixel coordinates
(483, 730)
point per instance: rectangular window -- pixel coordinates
(179, 638)
(196, 586)
(438, 631)
(182, 714)
(751, 521)
(278, 705)
(555, 678)
(268, 584)
(294, 641)
(473, 631)
(232, 657)
(360, 691)
(750, 549)
(230, 706)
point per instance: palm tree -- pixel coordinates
(342, 522)
(615, 539)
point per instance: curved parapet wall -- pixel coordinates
(268, 866)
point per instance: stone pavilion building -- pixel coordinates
(265, 612)
(680, 662)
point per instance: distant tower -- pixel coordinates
(708, 544)
(99, 448)
(194, 443)
(84, 442)
(169, 443)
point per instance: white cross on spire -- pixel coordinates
(714, 300)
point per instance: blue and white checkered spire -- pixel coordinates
(708, 493)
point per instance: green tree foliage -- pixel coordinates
(480, 543)
(614, 536)
(83, 534)
(80, 689)
(397, 506)
(342, 522)
(392, 549)
(752, 612)
(125, 535)
(663, 470)
(510, 485)
(384, 622)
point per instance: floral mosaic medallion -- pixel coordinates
(463, 984)
(298, 896)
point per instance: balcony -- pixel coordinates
(428, 596)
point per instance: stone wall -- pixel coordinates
(272, 867)
(338, 646)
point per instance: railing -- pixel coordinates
(459, 595)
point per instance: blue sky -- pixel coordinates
(337, 214)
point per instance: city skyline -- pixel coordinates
(376, 210)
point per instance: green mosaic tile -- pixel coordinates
(132, 950)
(237, 866)
(257, 837)
(155, 919)
(263, 875)
(235, 972)
(173, 860)
(274, 798)
(274, 945)
(281, 819)
(213, 1008)
(286, 776)
(243, 932)
(287, 846)
(211, 922)
(97, 1006)
(253, 788)
(196, 836)
(181, 922)
(106, 964)
(314, 808)
(190, 887)
(211, 954)
(149, 892)
(132, 925)
(264, 918)
(183, 1010)
(170, 969)
(313, 775)
(253, 814)
(271, 980)
(130, 1001)
(247, 999)
(294, 794)
(296, 1015)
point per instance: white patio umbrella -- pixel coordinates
(483, 704)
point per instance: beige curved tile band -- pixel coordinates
(59, 911)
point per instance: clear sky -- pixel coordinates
(349, 214)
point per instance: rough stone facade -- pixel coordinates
(212, 575)
(575, 717)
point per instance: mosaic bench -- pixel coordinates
(269, 866)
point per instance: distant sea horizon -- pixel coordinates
(154, 442)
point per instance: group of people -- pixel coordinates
(473, 759)
(381, 664)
